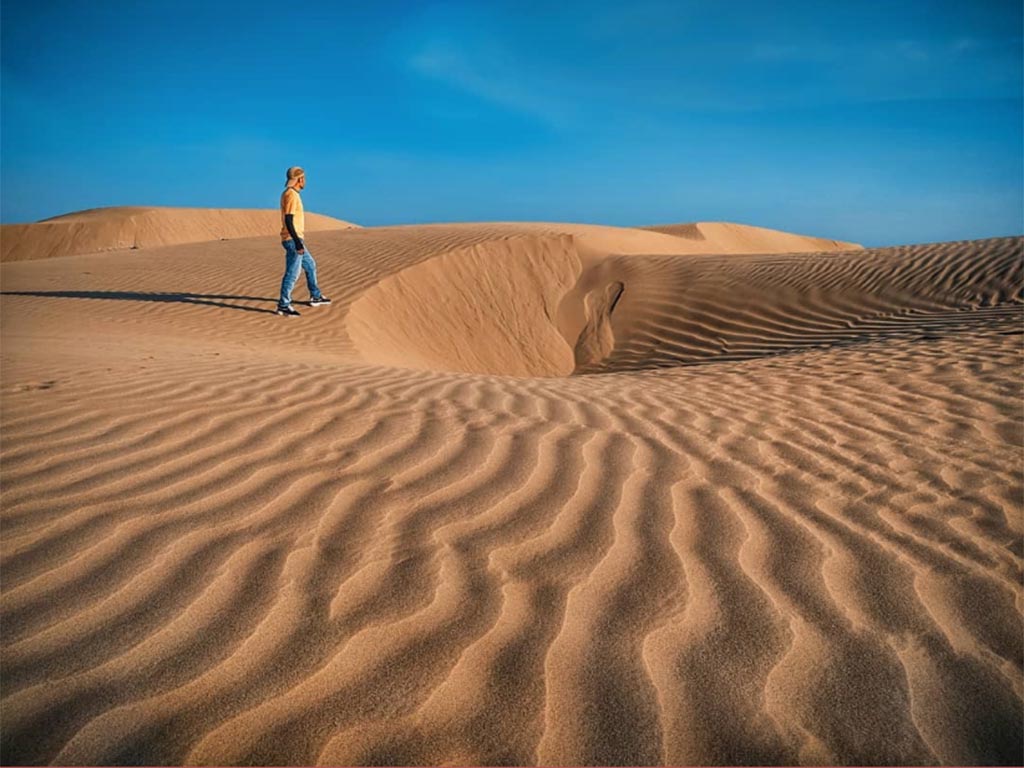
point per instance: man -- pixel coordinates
(296, 255)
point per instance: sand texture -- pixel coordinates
(107, 229)
(526, 493)
(725, 237)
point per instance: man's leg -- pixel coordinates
(292, 265)
(309, 267)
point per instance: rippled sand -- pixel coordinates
(523, 494)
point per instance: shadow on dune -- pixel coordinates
(212, 300)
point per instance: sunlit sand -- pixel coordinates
(527, 493)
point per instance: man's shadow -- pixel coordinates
(211, 300)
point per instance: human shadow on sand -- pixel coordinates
(211, 300)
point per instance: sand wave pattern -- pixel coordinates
(719, 509)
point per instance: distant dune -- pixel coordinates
(524, 494)
(724, 237)
(105, 229)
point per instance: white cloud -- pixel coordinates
(491, 76)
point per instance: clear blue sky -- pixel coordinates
(879, 122)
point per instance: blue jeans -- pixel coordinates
(293, 262)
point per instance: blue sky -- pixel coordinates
(878, 122)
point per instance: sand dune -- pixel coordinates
(526, 493)
(726, 237)
(105, 229)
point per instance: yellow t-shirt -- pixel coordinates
(292, 203)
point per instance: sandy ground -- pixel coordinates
(135, 227)
(526, 493)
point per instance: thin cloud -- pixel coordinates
(491, 78)
(906, 50)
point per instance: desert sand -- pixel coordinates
(107, 229)
(526, 493)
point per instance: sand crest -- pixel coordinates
(726, 237)
(526, 493)
(106, 229)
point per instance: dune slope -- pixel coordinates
(727, 237)
(525, 494)
(104, 229)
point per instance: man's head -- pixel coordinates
(296, 177)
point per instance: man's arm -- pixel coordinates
(289, 222)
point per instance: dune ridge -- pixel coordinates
(774, 516)
(728, 237)
(113, 228)
(630, 312)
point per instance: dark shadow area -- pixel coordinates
(211, 300)
(1002, 320)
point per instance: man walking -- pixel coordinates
(296, 255)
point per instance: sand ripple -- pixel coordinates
(779, 521)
